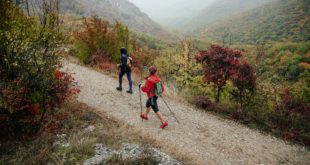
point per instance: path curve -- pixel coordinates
(210, 139)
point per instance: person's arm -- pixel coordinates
(146, 87)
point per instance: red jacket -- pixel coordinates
(149, 85)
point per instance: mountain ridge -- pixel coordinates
(222, 9)
(121, 10)
(280, 20)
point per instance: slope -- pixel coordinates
(222, 9)
(120, 10)
(210, 139)
(282, 20)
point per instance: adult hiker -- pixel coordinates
(149, 89)
(124, 68)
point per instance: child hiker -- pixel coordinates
(149, 88)
(124, 68)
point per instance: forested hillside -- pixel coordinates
(120, 10)
(282, 20)
(245, 61)
(222, 9)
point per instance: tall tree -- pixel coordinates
(218, 63)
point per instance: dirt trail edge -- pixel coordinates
(208, 138)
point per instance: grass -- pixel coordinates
(71, 120)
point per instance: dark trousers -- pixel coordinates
(120, 78)
(152, 102)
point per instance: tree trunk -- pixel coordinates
(241, 99)
(27, 6)
(218, 94)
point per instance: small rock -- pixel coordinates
(129, 151)
(88, 129)
(163, 158)
(102, 154)
(61, 141)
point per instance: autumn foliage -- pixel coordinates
(31, 82)
(243, 78)
(98, 37)
(222, 64)
(292, 118)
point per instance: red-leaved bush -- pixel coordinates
(219, 64)
(292, 117)
(243, 77)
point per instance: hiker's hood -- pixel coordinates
(153, 78)
(123, 51)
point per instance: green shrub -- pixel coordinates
(30, 82)
(97, 37)
(82, 52)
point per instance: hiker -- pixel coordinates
(149, 88)
(124, 68)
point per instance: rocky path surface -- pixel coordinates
(208, 138)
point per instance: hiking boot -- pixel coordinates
(129, 92)
(164, 124)
(119, 88)
(144, 117)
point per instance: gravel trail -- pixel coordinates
(210, 139)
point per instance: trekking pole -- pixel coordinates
(170, 109)
(140, 101)
(142, 69)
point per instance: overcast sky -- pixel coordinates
(159, 10)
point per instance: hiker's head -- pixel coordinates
(123, 50)
(152, 70)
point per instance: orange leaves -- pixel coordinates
(107, 67)
(58, 74)
(33, 108)
(74, 91)
(97, 35)
(304, 65)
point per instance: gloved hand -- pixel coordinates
(140, 85)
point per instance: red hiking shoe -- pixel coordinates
(164, 124)
(144, 117)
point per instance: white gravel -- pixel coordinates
(209, 138)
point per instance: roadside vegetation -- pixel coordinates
(264, 86)
(71, 122)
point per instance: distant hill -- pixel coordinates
(222, 9)
(179, 13)
(279, 20)
(121, 10)
(172, 13)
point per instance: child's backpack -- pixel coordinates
(158, 89)
(129, 62)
